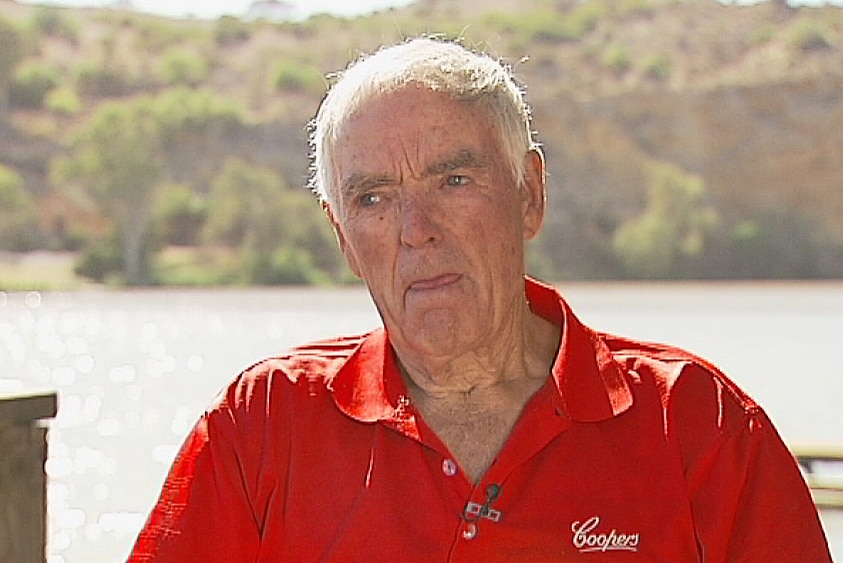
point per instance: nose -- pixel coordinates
(418, 226)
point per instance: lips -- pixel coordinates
(436, 282)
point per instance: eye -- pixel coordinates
(457, 180)
(370, 199)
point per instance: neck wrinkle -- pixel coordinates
(524, 354)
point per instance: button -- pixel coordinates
(469, 531)
(449, 468)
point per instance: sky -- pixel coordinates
(214, 8)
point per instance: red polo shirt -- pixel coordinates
(630, 452)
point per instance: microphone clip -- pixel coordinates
(474, 511)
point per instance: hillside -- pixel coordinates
(684, 139)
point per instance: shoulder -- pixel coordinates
(307, 369)
(690, 387)
(704, 413)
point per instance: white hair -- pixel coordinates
(441, 66)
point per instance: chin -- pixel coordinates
(440, 338)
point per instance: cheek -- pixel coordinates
(369, 244)
(507, 229)
(499, 222)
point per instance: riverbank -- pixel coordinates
(39, 271)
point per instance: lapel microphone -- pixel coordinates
(473, 512)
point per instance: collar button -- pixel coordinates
(449, 467)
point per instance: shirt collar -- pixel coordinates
(590, 384)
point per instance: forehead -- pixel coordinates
(412, 124)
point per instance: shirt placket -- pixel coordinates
(485, 507)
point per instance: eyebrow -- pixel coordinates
(464, 158)
(361, 182)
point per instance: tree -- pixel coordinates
(180, 214)
(308, 229)
(673, 228)
(17, 213)
(279, 232)
(243, 206)
(116, 157)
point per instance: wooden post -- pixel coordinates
(23, 483)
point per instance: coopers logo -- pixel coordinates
(588, 538)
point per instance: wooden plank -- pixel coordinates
(828, 499)
(23, 492)
(818, 452)
(27, 408)
(822, 466)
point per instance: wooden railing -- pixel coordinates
(823, 470)
(23, 483)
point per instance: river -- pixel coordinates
(134, 369)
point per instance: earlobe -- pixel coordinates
(533, 192)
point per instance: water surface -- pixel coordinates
(134, 369)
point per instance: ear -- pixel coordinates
(533, 193)
(346, 250)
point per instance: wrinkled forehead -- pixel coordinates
(414, 123)
(413, 110)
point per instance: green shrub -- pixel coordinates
(290, 76)
(204, 267)
(18, 227)
(616, 59)
(584, 17)
(183, 66)
(673, 231)
(30, 86)
(63, 101)
(501, 21)
(12, 50)
(763, 34)
(185, 110)
(242, 207)
(180, 214)
(658, 67)
(157, 34)
(285, 266)
(100, 81)
(100, 261)
(53, 21)
(230, 31)
(549, 25)
(809, 35)
(634, 7)
(546, 26)
(306, 228)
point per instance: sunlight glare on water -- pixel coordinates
(135, 369)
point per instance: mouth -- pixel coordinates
(436, 282)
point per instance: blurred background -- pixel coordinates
(157, 234)
(684, 139)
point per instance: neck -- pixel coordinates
(473, 401)
(523, 348)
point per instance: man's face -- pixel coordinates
(430, 216)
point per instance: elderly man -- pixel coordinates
(484, 422)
